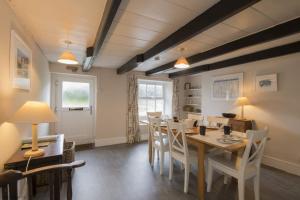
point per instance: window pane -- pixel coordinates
(142, 90)
(75, 94)
(159, 91)
(151, 105)
(159, 105)
(142, 107)
(151, 90)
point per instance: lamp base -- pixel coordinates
(36, 153)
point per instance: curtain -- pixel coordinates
(132, 112)
(175, 98)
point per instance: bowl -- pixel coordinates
(229, 115)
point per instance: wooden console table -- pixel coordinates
(240, 125)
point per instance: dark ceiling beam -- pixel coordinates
(214, 15)
(273, 33)
(109, 14)
(260, 55)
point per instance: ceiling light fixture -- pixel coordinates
(182, 63)
(67, 57)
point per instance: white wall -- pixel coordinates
(279, 110)
(11, 99)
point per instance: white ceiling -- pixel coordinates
(51, 22)
(140, 24)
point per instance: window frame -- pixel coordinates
(155, 83)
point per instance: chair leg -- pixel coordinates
(209, 176)
(69, 188)
(241, 188)
(171, 166)
(161, 162)
(257, 186)
(153, 155)
(186, 177)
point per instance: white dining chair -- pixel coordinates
(213, 121)
(199, 118)
(160, 142)
(241, 167)
(154, 114)
(179, 150)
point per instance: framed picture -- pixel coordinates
(227, 87)
(20, 62)
(187, 86)
(266, 83)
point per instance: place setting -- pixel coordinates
(229, 138)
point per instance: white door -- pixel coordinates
(74, 107)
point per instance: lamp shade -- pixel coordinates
(242, 101)
(34, 112)
(182, 63)
(67, 58)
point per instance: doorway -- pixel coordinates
(73, 100)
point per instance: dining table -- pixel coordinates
(202, 143)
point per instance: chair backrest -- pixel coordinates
(177, 138)
(155, 129)
(154, 114)
(199, 118)
(9, 184)
(215, 120)
(11, 178)
(255, 147)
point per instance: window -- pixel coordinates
(154, 96)
(75, 94)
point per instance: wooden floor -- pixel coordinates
(122, 172)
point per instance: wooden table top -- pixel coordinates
(211, 137)
(53, 153)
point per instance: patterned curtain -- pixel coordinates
(175, 98)
(132, 112)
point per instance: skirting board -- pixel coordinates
(286, 166)
(115, 140)
(110, 141)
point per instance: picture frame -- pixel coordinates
(20, 62)
(227, 87)
(187, 86)
(266, 83)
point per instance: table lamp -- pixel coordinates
(242, 101)
(34, 112)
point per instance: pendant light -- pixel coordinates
(67, 57)
(182, 63)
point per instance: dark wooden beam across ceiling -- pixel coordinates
(214, 15)
(256, 56)
(273, 33)
(109, 14)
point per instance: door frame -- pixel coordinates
(53, 77)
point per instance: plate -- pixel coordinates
(232, 137)
(226, 141)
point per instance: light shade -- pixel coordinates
(242, 101)
(67, 58)
(182, 63)
(34, 112)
